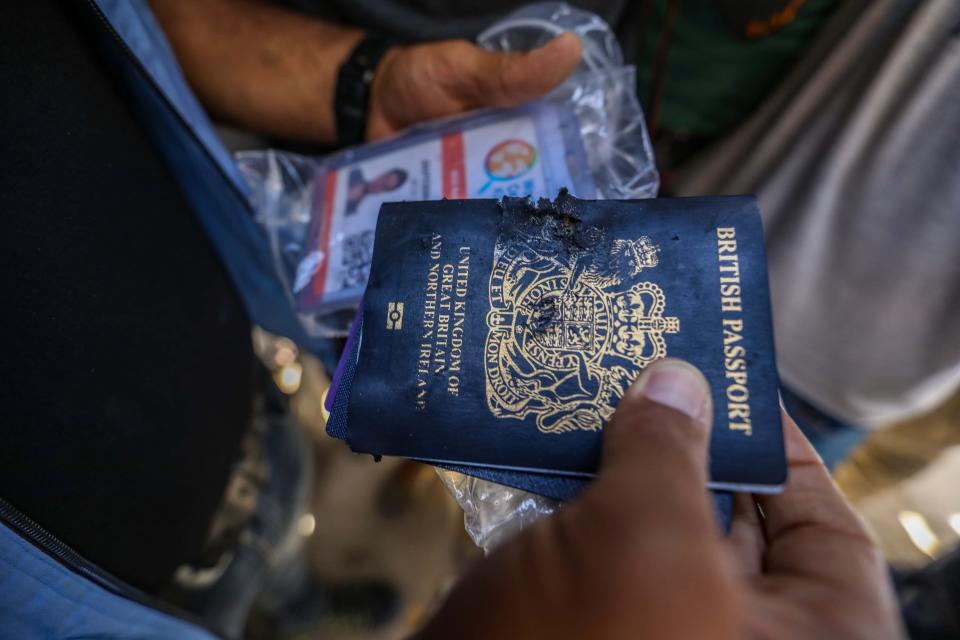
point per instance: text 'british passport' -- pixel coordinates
(503, 333)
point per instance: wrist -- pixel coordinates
(358, 78)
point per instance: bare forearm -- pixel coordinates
(275, 71)
(259, 66)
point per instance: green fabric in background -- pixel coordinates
(716, 77)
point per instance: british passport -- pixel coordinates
(496, 337)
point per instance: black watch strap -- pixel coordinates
(354, 79)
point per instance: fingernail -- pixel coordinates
(676, 384)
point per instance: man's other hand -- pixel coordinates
(263, 67)
(426, 81)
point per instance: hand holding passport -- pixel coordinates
(502, 340)
(636, 556)
(497, 337)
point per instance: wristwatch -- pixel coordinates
(352, 98)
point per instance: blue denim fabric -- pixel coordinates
(832, 438)
(41, 598)
(137, 26)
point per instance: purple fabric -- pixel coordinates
(347, 350)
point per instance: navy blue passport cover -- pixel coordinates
(502, 334)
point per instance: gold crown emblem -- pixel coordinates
(565, 339)
(639, 324)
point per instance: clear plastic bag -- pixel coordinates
(533, 25)
(323, 259)
(613, 131)
(602, 92)
(493, 513)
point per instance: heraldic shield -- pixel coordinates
(568, 332)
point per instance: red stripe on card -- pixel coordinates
(452, 166)
(329, 192)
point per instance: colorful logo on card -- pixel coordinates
(508, 160)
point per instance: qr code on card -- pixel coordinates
(355, 259)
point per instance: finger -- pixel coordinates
(509, 79)
(648, 513)
(745, 538)
(654, 459)
(811, 530)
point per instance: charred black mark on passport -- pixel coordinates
(556, 230)
(554, 226)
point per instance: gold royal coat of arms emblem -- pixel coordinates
(568, 331)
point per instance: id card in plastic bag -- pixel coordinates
(535, 151)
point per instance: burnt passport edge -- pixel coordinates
(555, 487)
(460, 432)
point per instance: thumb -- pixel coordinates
(647, 513)
(509, 79)
(654, 459)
